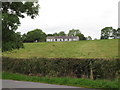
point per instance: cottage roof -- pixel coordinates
(62, 37)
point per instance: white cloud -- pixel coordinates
(90, 16)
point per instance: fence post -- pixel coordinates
(91, 70)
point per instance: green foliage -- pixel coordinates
(108, 32)
(11, 12)
(118, 33)
(76, 32)
(12, 41)
(73, 32)
(105, 32)
(62, 33)
(79, 82)
(55, 34)
(89, 38)
(114, 33)
(19, 8)
(35, 35)
(49, 34)
(64, 67)
(81, 36)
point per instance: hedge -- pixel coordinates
(98, 68)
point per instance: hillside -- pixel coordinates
(78, 49)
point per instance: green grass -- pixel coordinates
(78, 49)
(79, 82)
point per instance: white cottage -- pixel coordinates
(61, 38)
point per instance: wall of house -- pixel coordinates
(48, 40)
(58, 40)
(53, 40)
(69, 39)
(66, 39)
(74, 39)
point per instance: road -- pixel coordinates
(24, 84)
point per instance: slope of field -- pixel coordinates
(78, 49)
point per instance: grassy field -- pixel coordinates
(79, 82)
(78, 49)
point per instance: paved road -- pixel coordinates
(24, 84)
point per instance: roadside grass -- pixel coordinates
(79, 82)
(73, 49)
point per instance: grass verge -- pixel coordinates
(79, 82)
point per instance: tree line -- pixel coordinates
(110, 32)
(38, 35)
(73, 32)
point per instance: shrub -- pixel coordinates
(64, 67)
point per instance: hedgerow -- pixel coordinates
(98, 68)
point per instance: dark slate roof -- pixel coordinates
(62, 37)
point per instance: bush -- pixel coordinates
(7, 46)
(64, 67)
(11, 40)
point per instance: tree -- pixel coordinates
(62, 33)
(89, 38)
(81, 36)
(11, 12)
(13, 41)
(95, 38)
(35, 35)
(76, 32)
(106, 32)
(24, 37)
(49, 34)
(55, 34)
(114, 33)
(73, 32)
(118, 33)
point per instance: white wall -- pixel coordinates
(54, 40)
(66, 39)
(58, 40)
(48, 40)
(74, 39)
(77, 38)
(61, 39)
(70, 39)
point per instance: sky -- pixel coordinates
(89, 16)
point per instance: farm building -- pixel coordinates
(61, 38)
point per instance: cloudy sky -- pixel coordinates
(89, 16)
